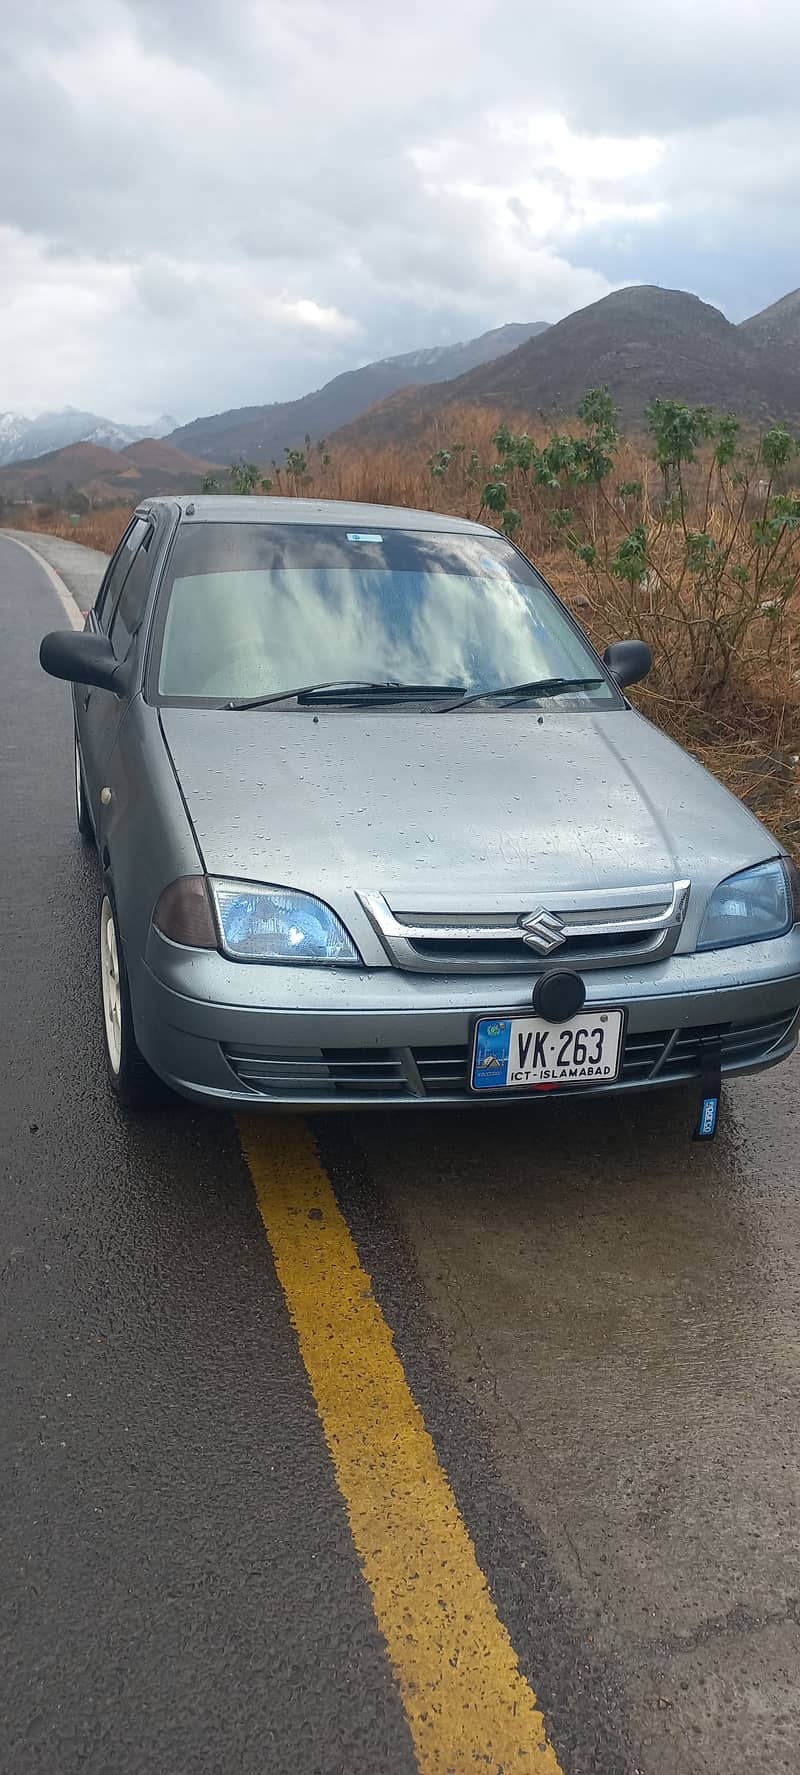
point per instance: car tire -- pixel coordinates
(83, 818)
(134, 1084)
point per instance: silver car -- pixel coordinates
(376, 825)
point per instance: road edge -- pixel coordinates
(71, 610)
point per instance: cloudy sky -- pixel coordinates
(204, 205)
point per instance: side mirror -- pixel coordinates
(81, 658)
(628, 661)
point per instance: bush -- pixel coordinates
(699, 555)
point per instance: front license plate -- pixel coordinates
(513, 1052)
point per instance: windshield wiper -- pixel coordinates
(347, 690)
(538, 687)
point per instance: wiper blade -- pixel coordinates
(346, 690)
(381, 693)
(537, 688)
(286, 696)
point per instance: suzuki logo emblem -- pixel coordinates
(543, 930)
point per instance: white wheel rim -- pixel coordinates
(78, 784)
(109, 975)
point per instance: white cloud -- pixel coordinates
(320, 320)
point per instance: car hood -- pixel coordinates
(456, 810)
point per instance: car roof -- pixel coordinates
(267, 509)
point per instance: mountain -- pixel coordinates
(777, 326)
(157, 457)
(118, 437)
(22, 439)
(261, 434)
(103, 475)
(644, 342)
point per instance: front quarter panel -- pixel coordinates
(146, 839)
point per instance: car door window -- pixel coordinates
(132, 600)
(114, 581)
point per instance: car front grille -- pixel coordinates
(614, 929)
(356, 1075)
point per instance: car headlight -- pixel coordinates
(755, 903)
(277, 924)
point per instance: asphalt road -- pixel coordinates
(597, 1321)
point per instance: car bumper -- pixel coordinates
(341, 1039)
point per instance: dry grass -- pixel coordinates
(745, 729)
(99, 529)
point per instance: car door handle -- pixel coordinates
(86, 697)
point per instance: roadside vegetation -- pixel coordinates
(688, 538)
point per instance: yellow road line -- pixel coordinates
(466, 1700)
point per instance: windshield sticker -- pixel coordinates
(363, 536)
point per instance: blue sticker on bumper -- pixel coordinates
(707, 1119)
(492, 1047)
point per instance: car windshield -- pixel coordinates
(250, 610)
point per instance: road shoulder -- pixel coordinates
(79, 569)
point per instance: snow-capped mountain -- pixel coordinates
(22, 438)
(13, 428)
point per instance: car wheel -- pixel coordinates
(132, 1081)
(82, 816)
